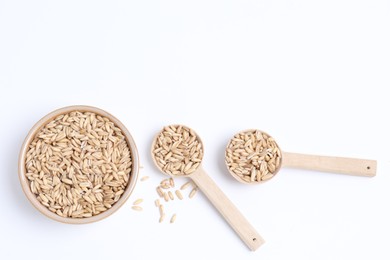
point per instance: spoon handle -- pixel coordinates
(350, 166)
(227, 209)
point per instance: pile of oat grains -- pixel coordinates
(253, 156)
(79, 164)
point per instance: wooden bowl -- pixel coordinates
(25, 182)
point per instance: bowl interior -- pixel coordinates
(25, 182)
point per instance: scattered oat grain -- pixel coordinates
(172, 182)
(179, 195)
(185, 185)
(137, 208)
(161, 209)
(192, 193)
(145, 178)
(173, 218)
(166, 196)
(138, 201)
(162, 217)
(160, 192)
(170, 194)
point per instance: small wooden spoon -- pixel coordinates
(227, 209)
(342, 165)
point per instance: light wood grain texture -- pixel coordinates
(232, 215)
(350, 166)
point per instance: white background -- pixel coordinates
(313, 74)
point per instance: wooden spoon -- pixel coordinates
(342, 165)
(226, 208)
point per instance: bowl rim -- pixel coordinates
(25, 183)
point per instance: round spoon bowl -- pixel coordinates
(253, 157)
(185, 154)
